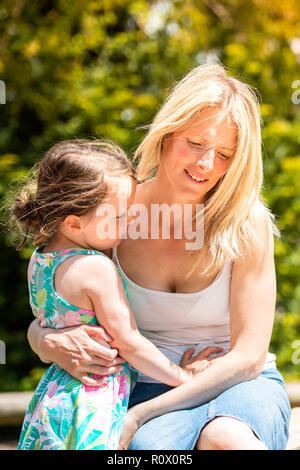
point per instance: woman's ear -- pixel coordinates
(73, 224)
(165, 140)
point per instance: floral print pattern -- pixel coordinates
(63, 412)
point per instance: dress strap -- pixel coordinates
(56, 257)
(114, 253)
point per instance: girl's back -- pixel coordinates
(47, 305)
(64, 413)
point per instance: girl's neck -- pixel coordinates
(60, 243)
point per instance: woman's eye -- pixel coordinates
(199, 145)
(224, 156)
(196, 145)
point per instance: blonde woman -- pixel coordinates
(203, 147)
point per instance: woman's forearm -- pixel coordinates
(224, 373)
(82, 350)
(35, 337)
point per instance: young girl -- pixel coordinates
(71, 281)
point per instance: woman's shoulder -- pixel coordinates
(264, 223)
(260, 246)
(261, 220)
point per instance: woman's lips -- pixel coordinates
(194, 180)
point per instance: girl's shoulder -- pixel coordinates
(76, 277)
(82, 266)
(76, 266)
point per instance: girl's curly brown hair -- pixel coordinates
(72, 178)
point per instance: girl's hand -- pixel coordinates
(131, 425)
(202, 361)
(83, 351)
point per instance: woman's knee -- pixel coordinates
(226, 433)
(146, 438)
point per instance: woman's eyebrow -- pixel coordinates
(205, 141)
(227, 149)
(222, 146)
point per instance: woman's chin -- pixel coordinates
(192, 195)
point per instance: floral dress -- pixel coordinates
(63, 412)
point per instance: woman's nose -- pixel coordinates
(206, 160)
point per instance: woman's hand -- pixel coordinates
(131, 424)
(83, 351)
(139, 414)
(202, 361)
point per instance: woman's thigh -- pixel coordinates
(262, 403)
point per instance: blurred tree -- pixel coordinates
(102, 68)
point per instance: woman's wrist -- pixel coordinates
(185, 376)
(142, 413)
(150, 409)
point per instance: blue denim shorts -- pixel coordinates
(262, 403)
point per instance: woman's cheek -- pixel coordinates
(222, 168)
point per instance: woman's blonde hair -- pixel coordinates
(73, 177)
(235, 204)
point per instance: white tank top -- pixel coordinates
(175, 322)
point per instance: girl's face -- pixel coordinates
(105, 225)
(196, 157)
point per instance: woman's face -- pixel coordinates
(196, 157)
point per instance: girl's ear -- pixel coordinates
(73, 223)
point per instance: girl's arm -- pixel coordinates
(75, 350)
(101, 282)
(252, 306)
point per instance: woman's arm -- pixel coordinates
(252, 306)
(35, 337)
(75, 350)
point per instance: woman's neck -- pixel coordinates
(152, 193)
(158, 191)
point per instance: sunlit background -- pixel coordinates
(88, 68)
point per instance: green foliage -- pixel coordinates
(102, 68)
